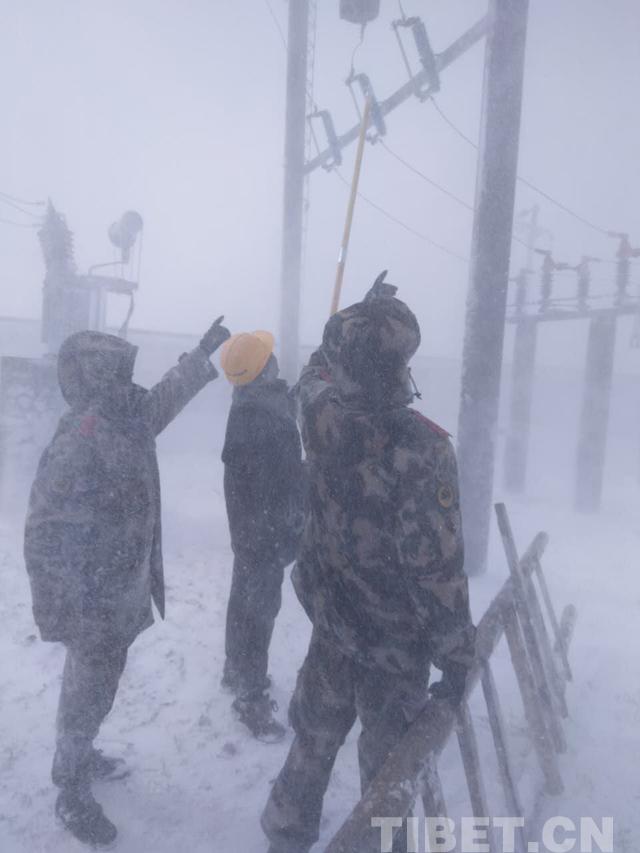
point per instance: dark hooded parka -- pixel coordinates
(264, 476)
(93, 545)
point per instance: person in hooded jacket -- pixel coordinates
(380, 568)
(264, 490)
(93, 547)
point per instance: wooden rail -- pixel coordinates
(538, 645)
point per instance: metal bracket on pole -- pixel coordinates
(330, 133)
(369, 96)
(425, 52)
(449, 55)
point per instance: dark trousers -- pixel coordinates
(331, 691)
(89, 683)
(254, 603)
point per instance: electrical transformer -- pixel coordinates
(359, 11)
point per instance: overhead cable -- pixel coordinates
(18, 207)
(404, 225)
(522, 180)
(424, 177)
(22, 200)
(276, 22)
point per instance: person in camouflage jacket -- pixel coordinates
(93, 541)
(380, 570)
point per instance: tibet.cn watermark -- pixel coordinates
(474, 835)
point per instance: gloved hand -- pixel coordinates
(451, 685)
(214, 337)
(380, 288)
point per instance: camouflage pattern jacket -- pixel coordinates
(93, 537)
(380, 569)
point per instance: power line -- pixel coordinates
(274, 17)
(22, 200)
(562, 206)
(402, 224)
(442, 189)
(522, 180)
(18, 207)
(424, 177)
(364, 198)
(453, 127)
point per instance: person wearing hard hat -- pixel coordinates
(264, 488)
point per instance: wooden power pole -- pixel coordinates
(489, 274)
(294, 157)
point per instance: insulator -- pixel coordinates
(56, 241)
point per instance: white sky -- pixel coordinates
(176, 108)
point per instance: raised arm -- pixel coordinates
(321, 413)
(315, 381)
(180, 384)
(171, 394)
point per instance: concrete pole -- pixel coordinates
(517, 445)
(594, 421)
(294, 154)
(546, 281)
(533, 234)
(489, 275)
(522, 286)
(584, 283)
(623, 267)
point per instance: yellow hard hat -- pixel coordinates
(243, 356)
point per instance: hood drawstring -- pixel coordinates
(416, 393)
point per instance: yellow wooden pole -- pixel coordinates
(342, 259)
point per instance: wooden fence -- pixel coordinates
(538, 643)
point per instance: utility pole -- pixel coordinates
(594, 420)
(489, 275)
(517, 444)
(294, 165)
(533, 232)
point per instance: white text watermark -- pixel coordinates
(476, 834)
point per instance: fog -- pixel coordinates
(177, 110)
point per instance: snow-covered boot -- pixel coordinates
(83, 817)
(255, 710)
(234, 682)
(230, 681)
(106, 768)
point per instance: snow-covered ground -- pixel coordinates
(199, 781)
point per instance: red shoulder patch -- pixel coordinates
(431, 424)
(88, 425)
